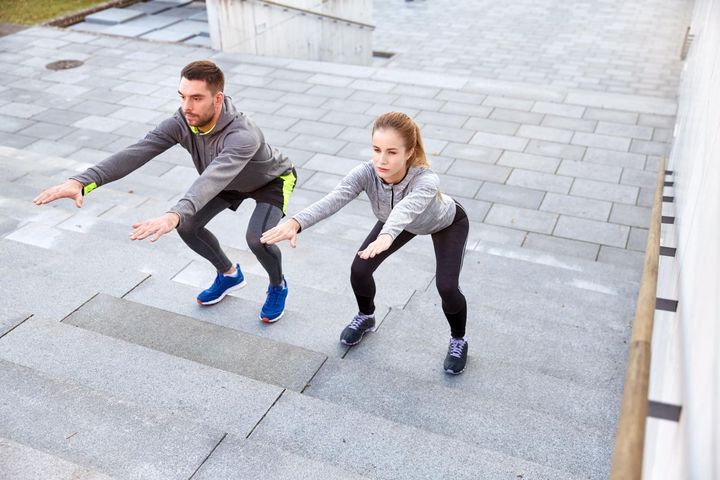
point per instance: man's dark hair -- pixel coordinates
(207, 71)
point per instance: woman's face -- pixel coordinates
(390, 155)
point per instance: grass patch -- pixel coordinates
(30, 12)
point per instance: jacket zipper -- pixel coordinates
(392, 197)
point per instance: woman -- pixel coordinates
(405, 198)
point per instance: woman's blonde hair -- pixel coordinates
(408, 131)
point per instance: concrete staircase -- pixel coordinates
(109, 369)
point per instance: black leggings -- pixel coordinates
(203, 242)
(449, 244)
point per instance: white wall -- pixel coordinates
(695, 159)
(254, 27)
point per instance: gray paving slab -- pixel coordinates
(495, 426)
(610, 234)
(605, 191)
(218, 347)
(113, 16)
(55, 286)
(240, 458)
(529, 162)
(21, 461)
(619, 256)
(479, 171)
(562, 246)
(382, 449)
(91, 429)
(140, 376)
(553, 149)
(576, 206)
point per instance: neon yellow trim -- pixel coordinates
(89, 188)
(289, 180)
(197, 131)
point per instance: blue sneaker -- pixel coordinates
(222, 285)
(274, 303)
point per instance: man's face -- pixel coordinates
(197, 102)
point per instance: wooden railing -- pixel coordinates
(630, 438)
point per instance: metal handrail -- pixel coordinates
(630, 439)
(312, 12)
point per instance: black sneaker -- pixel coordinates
(456, 356)
(353, 333)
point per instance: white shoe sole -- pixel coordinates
(231, 289)
(267, 320)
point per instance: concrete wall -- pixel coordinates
(252, 26)
(691, 448)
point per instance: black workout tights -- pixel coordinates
(449, 244)
(204, 243)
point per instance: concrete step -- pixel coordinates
(536, 329)
(52, 285)
(558, 442)
(95, 431)
(247, 458)
(20, 461)
(212, 345)
(365, 444)
(156, 381)
(415, 346)
(313, 319)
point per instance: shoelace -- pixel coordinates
(273, 295)
(359, 318)
(456, 347)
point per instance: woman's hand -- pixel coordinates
(381, 244)
(155, 226)
(284, 231)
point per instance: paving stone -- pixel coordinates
(317, 129)
(658, 121)
(331, 164)
(611, 157)
(552, 149)
(638, 177)
(589, 170)
(318, 144)
(471, 152)
(529, 162)
(569, 123)
(562, 246)
(604, 191)
(649, 148)
(442, 119)
(545, 133)
(479, 171)
(348, 119)
(448, 134)
(559, 109)
(516, 116)
(630, 215)
(460, 186)
(20, 461)
(638, 239)
(492, 126)
(504, 142)
(635, 103)
(115, 437)
(113, 16)
(592, 231)
(298, 111)
(576, 206)
(624, 130)
(521, 218)
(466, 109)
(620, 256)
(540, 181)
(509, 103)
(510, 195)
(21, 110)
(200, 342)
(601, 141)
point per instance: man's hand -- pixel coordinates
(157, 227)
(284, 231)
(69, 189)
(381, 244)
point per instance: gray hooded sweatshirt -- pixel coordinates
(232, 157)
(414, 204)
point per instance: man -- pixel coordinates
(234, 163)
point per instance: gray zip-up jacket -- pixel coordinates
(414, 204)
(233, 156)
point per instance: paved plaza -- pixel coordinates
(545, 119)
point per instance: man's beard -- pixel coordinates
(198, 121)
